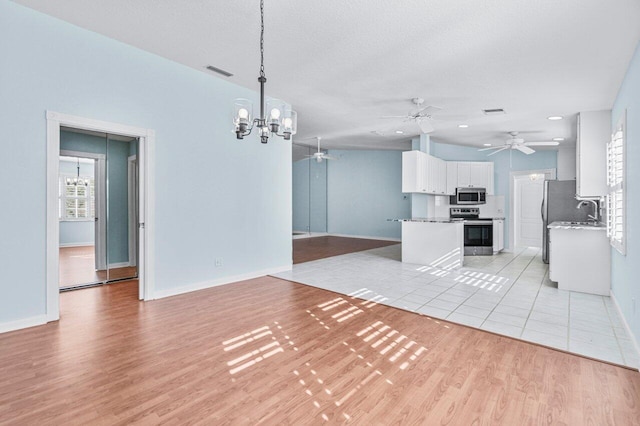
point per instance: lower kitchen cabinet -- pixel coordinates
(579, 259)
(498, 235)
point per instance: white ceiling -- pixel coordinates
(343, 64)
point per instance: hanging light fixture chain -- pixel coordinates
(261, 38)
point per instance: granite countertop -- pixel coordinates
(429, 219)
(591, 226)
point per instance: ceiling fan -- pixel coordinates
(319, 156)
(419, 115)
(514, 142)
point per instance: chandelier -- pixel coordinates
(77, 180)
(281, 120)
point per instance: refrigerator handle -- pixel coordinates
(542, 210)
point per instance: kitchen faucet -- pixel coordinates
(596, 209)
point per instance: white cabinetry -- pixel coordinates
(579, 259)
(452, 177)
(423, 173)
(594, 131)
(470, 174)
(498, 235)
(414, 169)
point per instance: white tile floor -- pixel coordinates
(509, 294)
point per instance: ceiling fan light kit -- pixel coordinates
(420, 116)
(281, 120)
(319, 156)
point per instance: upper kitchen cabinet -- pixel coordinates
(470, 174)
(594, 131)
(414, 171)
(423, 173)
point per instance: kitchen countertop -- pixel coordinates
(579, 225)
(429, 219)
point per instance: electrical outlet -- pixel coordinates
(219, 262)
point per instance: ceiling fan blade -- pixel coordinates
(491, 147)
(524, 149)
(542, 143)
(330, 157)
(499, 150)
(425, 126)
(426, 111)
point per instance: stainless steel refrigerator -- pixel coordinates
(559, 204)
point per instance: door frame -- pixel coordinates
(100, 228)
(146, 202)
(512, 199)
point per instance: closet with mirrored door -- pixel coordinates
(309, 192)
(98, 196)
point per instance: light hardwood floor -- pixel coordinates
(314, 248)
(77, 267)
(275, 352)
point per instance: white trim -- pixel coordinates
(119, 265)
(366, 237)
(512, 201)
(174, 291)
(87, 244)
(22, 323)
(634, 341)
(80, 154)
(146, 162)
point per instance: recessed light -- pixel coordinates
(463, 126)
(555, 117)
(486, 144)
(558, 139)
(399, 132)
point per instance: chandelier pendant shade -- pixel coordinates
(77, 180)
(276, 117)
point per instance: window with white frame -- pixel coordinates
(616, 205)
(77, 197)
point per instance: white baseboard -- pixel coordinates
(633, 338)
(119, 265)
(160, 294)
(87, 244)
(365, 237)
(22, 323)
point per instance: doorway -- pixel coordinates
(139, 162)
(526, 200)
(97, 208)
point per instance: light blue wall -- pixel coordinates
(364, 190)
(310, 196)
(215, 196)
(502, 167)
(624, 269)
(117, 202)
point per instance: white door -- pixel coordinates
(528, 193)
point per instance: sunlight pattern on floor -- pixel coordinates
(508, 294)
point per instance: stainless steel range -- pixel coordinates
(478, 233)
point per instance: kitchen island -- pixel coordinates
(435, 242)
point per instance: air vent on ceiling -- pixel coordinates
(219, 71)
(493, 111)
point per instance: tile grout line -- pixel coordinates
(514, 283)
(624, 359)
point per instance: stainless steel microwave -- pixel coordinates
(470, 196)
